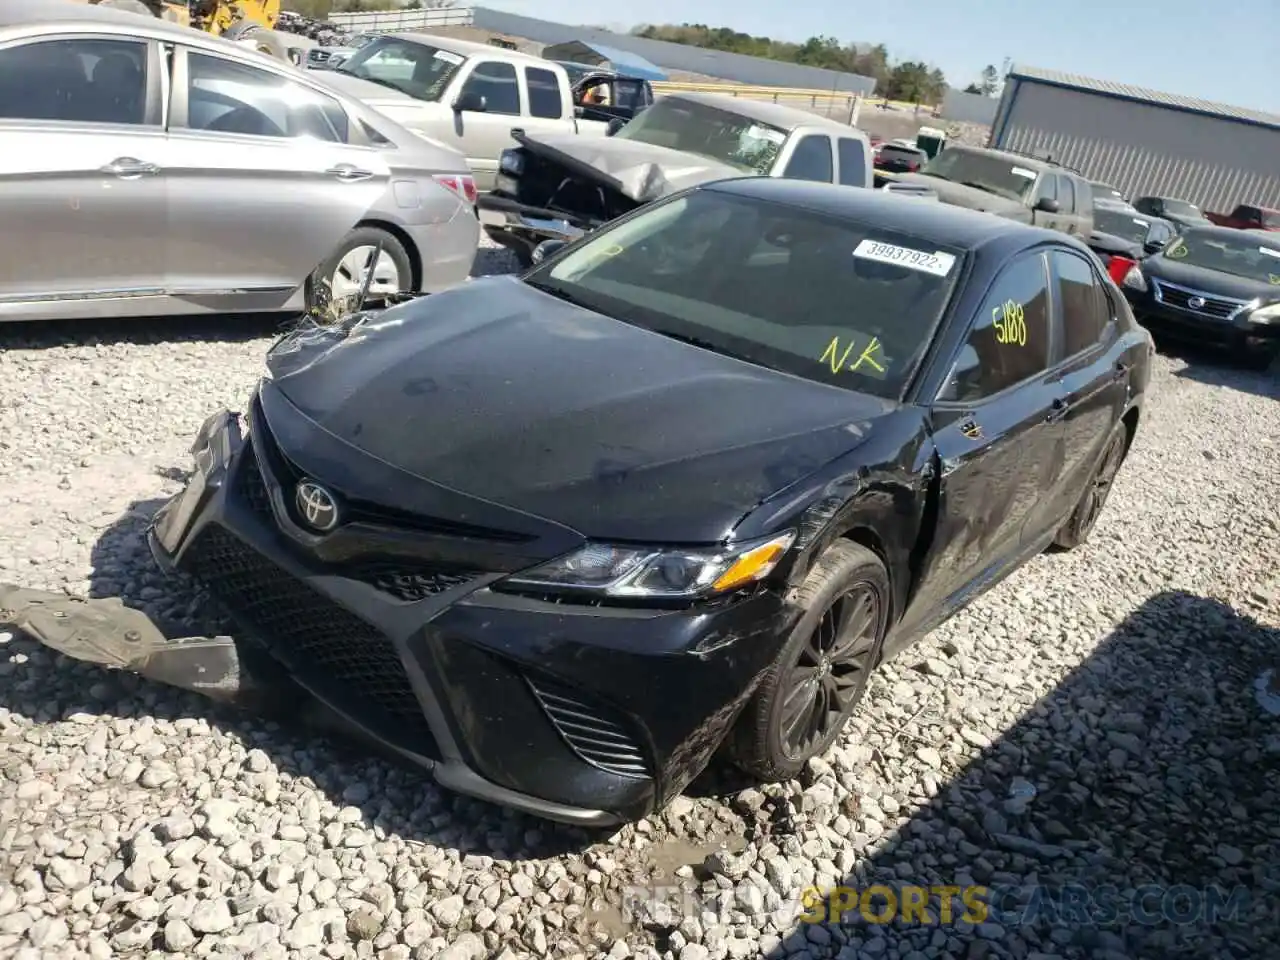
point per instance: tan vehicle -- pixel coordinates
(250, 22)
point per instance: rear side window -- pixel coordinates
(811, 160)
(1085, 309)
(545, 97)
(80, 81)
(496, 82)
(853, 162)
(1048, 189)
(1009, 340)
(1084, 196)
(227, 97)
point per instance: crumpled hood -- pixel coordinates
(496, 390)
(642, 171)
(957, 194)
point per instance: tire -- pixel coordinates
(129, 6)
(261, 38)
(1085, 516)
(847, 580)
(340, 272)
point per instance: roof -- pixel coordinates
(467, 48)
(1123, 91)
(624, 62)
(940, 223)
(763, 111)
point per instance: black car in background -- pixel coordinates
(558, 537)
(1120, 230)
(1213, 286)
(1181, 213)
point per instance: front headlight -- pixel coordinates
(1268, 314)
(511, 161)
(657, 572)
(1134, 279)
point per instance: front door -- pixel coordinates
(998, 431)
(1046, 189)
(261, 188)
(81, 186)
(483, 134)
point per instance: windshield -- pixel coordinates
(418, 69)
(708, 132)
(1245, 257)
(1180, 208)
(1120, 223)
(983, 171)
(836, 301)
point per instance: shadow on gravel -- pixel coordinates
(297, 741)
(1133, 813)
(51, 334)
(1217, 369)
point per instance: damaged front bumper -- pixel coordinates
(573, 713)
(521, 227)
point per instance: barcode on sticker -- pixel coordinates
(1141, 223)
(1270, 252)
(938, 263)
(1024, 172)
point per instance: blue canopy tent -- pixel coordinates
(609, 58)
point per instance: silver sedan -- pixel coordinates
(150, 169)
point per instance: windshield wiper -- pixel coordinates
(560, 293)
(699, 342)
(378, 80)
(979, 186)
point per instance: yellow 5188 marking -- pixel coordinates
(836, 359)
(1010, 322)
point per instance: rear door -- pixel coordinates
(1094, 374)
(998, 430)
(546, 95)
(81, 184)
(810, 158)
(262, 185)
(1069, 211)
(855, 165)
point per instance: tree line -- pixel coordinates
(908, 80)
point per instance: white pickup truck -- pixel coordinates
(467, 95)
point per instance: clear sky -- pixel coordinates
(1228, 50)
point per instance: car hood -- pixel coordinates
(498, 391)
(641, 171)
(1209, 281)
(959, 195)
(364, 90)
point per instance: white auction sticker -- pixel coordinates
(1270, 252)
(938, 263)
(1141, 223)
(1024, 172)
(448, 57)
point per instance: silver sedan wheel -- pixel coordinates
(348, 276)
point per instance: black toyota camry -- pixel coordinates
(680, 487)
(1213, 286)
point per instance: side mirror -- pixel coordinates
(1046, 205)
(616, 124)
(547, 248)
(471, 102)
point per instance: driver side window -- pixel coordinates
(1010, 338)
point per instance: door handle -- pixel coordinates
(1122, 369)
(348, 173)
(130, 168)
(1058, 410)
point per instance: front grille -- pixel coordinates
(343, 659)
(596, 733)
(1219, 308)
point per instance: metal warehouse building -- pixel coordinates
(1144, 142)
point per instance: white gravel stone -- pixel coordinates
(1115, 682)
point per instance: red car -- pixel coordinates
(896, 158)
(1247, 217)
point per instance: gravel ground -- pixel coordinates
(1104, 717)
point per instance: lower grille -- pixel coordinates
(1220, 308)
(345, 660)
(598, 734)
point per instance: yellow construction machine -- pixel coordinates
(250, 22)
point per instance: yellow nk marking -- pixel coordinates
(837, 360)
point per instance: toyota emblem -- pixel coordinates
(1195, 303)
(316, 506)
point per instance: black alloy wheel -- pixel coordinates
(1077, 529)
(830, 677)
